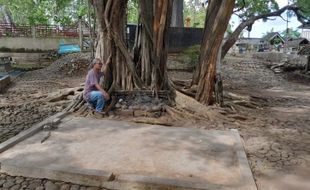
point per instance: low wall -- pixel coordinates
(4, 82)
(18, 57)
(34, 43)
(178, 38)
(277, 57)
(270, 56)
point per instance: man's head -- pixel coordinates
(97, 64)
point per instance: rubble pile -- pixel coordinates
(74, 64)
(71, 65)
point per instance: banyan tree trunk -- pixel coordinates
(217, 18)
(111, 21)
(177, 14)
(155, 20)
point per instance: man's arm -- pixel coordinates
(104, 93)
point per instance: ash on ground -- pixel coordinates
(141, 103)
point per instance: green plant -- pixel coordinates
(191, 54)
(5, 49)
(22, 50)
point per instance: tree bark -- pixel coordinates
(155, 19)
(234, 36)
(111, 21)
(150, 53)
(177, 19)
(218, 15)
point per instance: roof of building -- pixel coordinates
(252, 41)
(305, 50)
(270, 36)
(297, 42)
(305, 26)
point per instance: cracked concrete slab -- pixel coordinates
(122, 155)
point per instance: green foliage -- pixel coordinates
(276, 41)
(132, 16)
(255, 7)
(33, 12)
(305, 7)
(191, 54)
(291, 33)
(21, 50)
(197, 14)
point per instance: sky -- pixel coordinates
(279, 25)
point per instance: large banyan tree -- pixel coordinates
(146, 68)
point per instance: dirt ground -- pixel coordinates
(270, 112)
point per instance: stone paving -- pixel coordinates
(22, 183)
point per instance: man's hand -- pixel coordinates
(106, 96)
(104, 93)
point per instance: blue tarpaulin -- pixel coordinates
(68, 48)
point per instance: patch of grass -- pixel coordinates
(22, 50)
(29, 66)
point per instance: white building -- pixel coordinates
(305, 33)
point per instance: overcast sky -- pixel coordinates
(279, 25)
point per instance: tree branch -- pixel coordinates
(242, 7)
(246, 23)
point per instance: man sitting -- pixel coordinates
(93, 92)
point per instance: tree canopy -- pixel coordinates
(62, 12)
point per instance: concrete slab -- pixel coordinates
(121, 155)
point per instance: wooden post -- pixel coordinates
(33, 31)
(91, 41)
(80, 34)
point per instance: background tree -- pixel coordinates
(291, 33)
(250, 11)
(5, 15)
(133, 12)
(196, 12)
(217, 17)
(63, 12)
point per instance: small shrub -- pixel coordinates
(5, 49)
(191, 54)
(22, 50)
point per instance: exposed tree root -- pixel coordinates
(183, 114)
(153, 121)
(75, 104)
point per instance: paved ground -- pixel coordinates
(136, 154)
